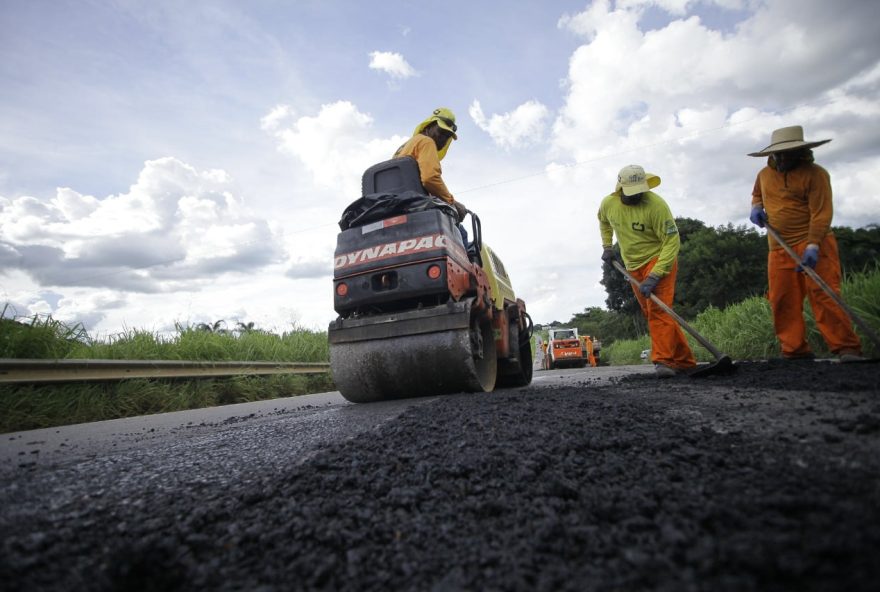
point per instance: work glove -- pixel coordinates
(648, 285)
(758, 216)
(608, 255)
(460, 209)
(810, 258)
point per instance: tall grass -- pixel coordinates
(38, 337)
(46, 338)
(39, 406)
(35, 406)
(744, 331)
(861, 291)
(626, 351)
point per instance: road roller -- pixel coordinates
(424, 307)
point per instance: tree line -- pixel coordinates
(717, 266)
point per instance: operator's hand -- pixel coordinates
(758, 216)
(460, 209)
(608, 255)
(648, 285)
(810, 258)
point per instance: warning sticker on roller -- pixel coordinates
(387, 222)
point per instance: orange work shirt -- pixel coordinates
(424, 150)
(797, 202)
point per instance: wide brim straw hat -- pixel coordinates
(633, 179)
(787, 138)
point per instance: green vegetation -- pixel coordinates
(35, 406)
(721, 280)
(744, 331)
(39, 337)
(46, 338)
(299, 345)
(626, 351)
(39, 406)
(716, 267)
(728, 264)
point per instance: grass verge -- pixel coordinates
(24, 407)
(744, 331)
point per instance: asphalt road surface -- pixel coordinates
(593, 479)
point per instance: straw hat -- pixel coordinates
(787, 138)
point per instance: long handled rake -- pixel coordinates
(723, 363)
(872, 335)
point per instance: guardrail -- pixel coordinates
(31, 371)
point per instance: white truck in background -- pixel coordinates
(563, 349)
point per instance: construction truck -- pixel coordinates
(420, 312)
(563, 349)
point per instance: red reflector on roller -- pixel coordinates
(434, 272)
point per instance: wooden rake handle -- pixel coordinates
(684, 324)
(872, 335)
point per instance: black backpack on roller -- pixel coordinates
(388, 189)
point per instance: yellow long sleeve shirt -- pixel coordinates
(424, 150)
(644, 231)
(797, 202)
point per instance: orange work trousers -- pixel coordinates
(668, 344)
(788, 287)
(588, 343)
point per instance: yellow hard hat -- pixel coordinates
(445, 118)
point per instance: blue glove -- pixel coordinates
(810, 258)
(648, 285)
(758, 216)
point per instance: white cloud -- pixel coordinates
(679, 7)
(336, 145)
(87, 308)
(651, 82)
(311, 268)
(588, 22)
(689, 102)
(521, 127)
(276, 117)
(392, 63)
(175, 227)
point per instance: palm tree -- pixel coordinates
(216, 327)
(245, 328)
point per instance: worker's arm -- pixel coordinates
(429, 168)
(670, 241)
(757, 194)
(605, 229)
(819, 201)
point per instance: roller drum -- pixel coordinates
(413, 354)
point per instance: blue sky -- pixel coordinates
(166, 162)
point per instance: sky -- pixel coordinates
(170, 163)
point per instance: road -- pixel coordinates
(333, 417)
(588, 479)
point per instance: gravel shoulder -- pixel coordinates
(599, 479)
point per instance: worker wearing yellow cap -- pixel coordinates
(649, 244)
(428, 145)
